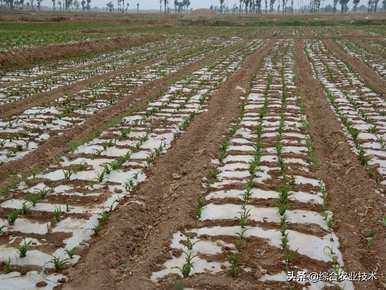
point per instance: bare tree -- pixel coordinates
(335, 4)
(356, 3)
(343, 6)
(221, 6)
(271, 4)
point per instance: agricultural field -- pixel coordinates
(165, 152)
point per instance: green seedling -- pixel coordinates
(188, 265)
(234, 261)
(71, 252)
(23, 248)
(12, 217)
(57, 213)
(7, 266)
(58, 263)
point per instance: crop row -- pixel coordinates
(23, 133)
(263, 211)
(23, 74)
(16, 39)
(52, 215)
(362, 111)
(47, 82)
(376, 62)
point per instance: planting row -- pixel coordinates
(50, 80)
(361, 111)
(375, 61)
(263, 211)
(50, 216)
(23, 133)
(23, 74)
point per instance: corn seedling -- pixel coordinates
(188, 265)
(105, 216)
(57, 213)
(23, 248)
(11, 218)
(58, 263)
(70, 252)
(245, 214)
(200, 205)
(67, 174)
(7, 266)
(234, 261)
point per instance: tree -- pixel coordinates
(335, 4)
(221, 6)
(343, 6)
(110, 6)
(166, 3)
(356, 2)
(271, 4)
(38, 4)
(137, 7)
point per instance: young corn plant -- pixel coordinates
(241, 238)
(58, 263)
(57, 213)
(7, 266)
(12, 217)
(23, 248)
(234, 261)
(187, 267)
(71, 252)
(245, 214)
(200, 205)
(67, 174)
